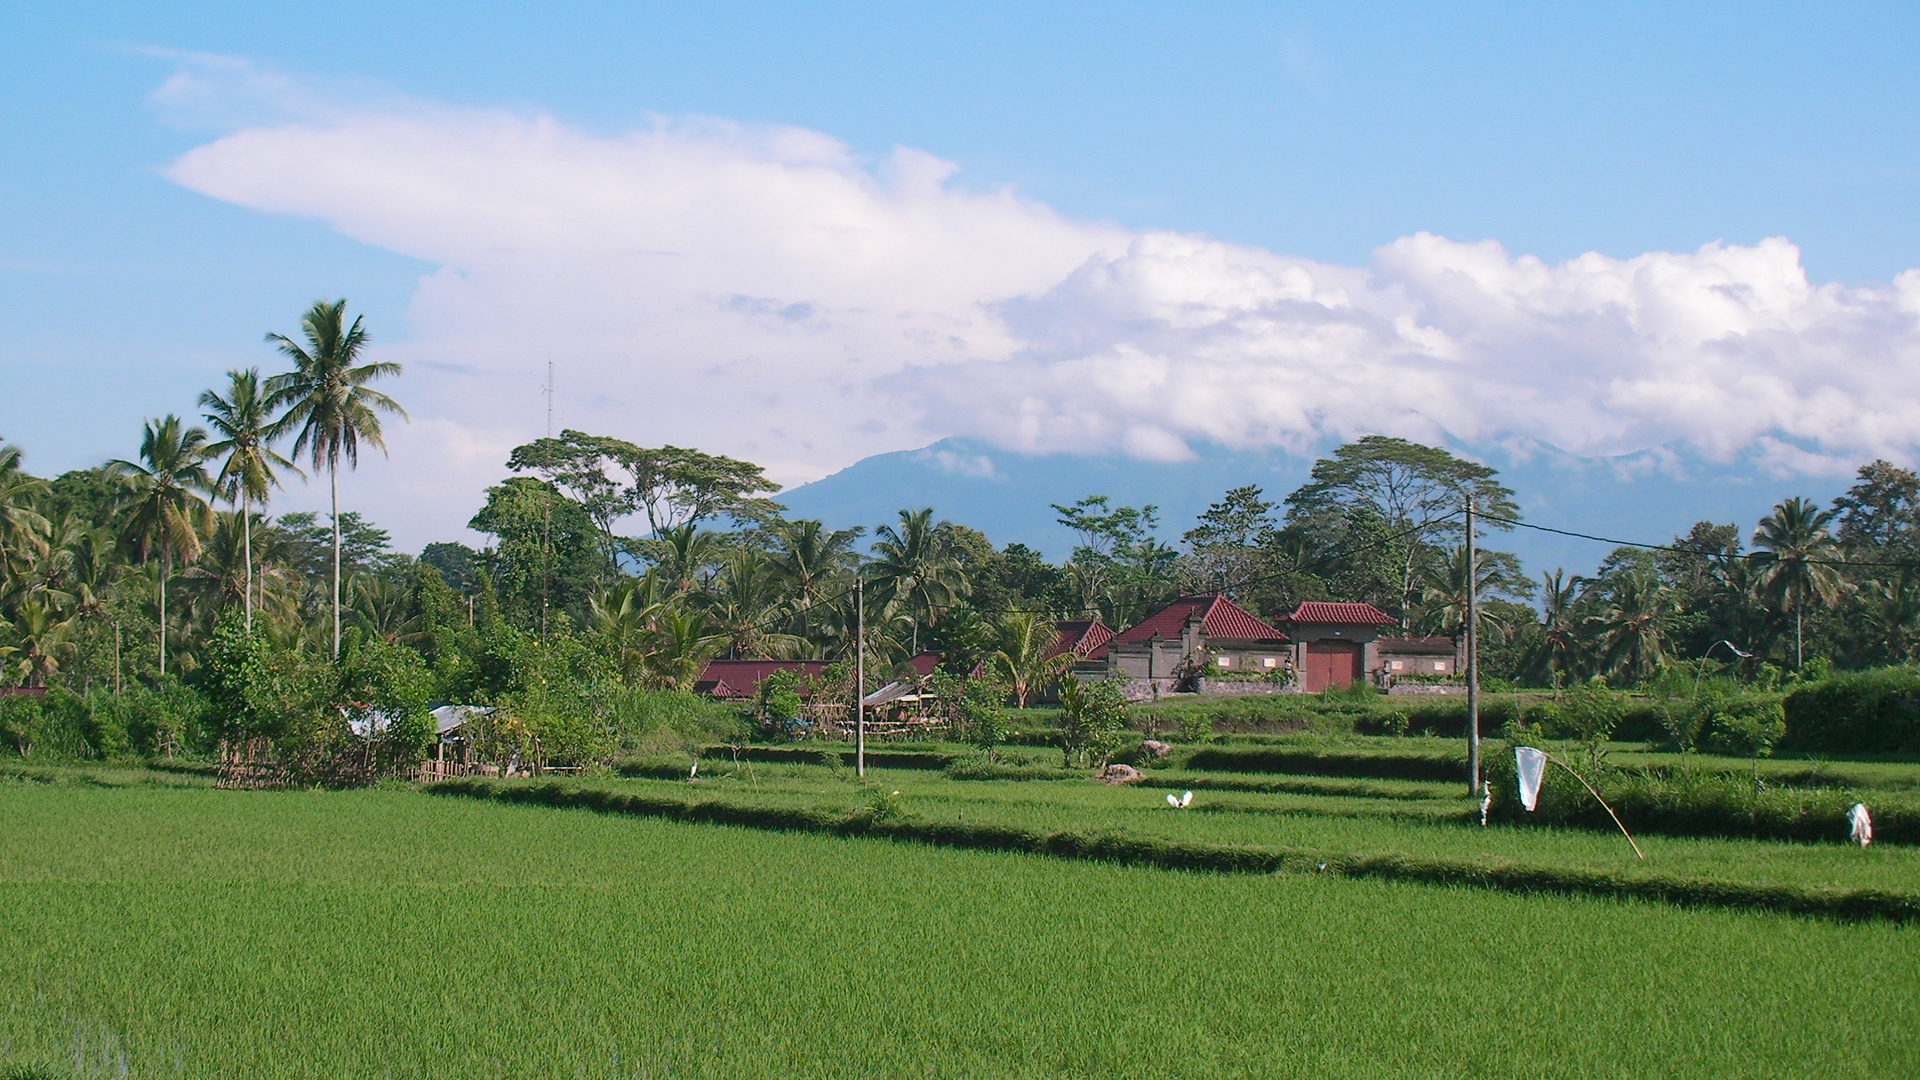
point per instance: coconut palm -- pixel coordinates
(23, 531)
(812, 561)
(386, 610)
(1560, 651)
(329, 406)
(1636, 611)
(1025, 655)
(679, 647)
(166, 515)
(1797, 563)
(915, 567)
(749, 599)
(623, 616)
(685, 554)
(43, 636)
(246, 477)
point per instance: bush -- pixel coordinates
(1329, 763)
(1859, 712)
(1689, 802)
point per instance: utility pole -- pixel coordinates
(859, 676)
(1473, 657)
(546, 528)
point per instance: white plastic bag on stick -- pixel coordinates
(1862, 825)
(1530, 765)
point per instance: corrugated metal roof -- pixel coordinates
(1321, 612)
(1219, 618)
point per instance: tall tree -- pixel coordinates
(914, 566)
(1797, 563)
(812, 561)
(1024, 655)
(167, 514)
(23, 529)
(1416, 491)
(328, 403)
(1224, 544)
(242, 419)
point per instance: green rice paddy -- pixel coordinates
(181, 931)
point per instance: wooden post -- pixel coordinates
(1473, 658)
(859, 677)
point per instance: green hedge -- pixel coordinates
(1688, 803)
(1227, 858)
(798, 755)
(975, 769)
(1856, 712)
(1328, 763)
(1447, 717)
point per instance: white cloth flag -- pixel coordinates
(1862, 831)
(1531, 765)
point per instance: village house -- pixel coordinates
(1087, 640)
(1173, 648)
(1335, 643)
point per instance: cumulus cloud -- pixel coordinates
(1725, 351)
(768, 292)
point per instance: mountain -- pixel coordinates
(1650, 497)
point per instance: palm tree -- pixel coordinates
(43, 636)
(684, 553)
(623, 615)
(242, 422)
(1025, 656)
(1633, 622)
(167, 514)
(1796, 563)
(915, 567)
(812, 561)
(327, 401)
(680, 646)
(1445, 592)
(1561, 650)
(748, 601)
(22, 529)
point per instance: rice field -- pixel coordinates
(1405, 817)
(179, 931)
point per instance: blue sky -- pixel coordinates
(1321, 133)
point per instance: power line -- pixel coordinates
(1762, 556)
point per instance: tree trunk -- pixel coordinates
(166, 571)
(1799, 643)
(246, 548)
(333, 477)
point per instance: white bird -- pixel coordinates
(1486, 802)
(1862, 825)
(1180, 802)
(693, 772)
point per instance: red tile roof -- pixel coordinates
(1087, 638)
(1341, 614)
(741, 678)
(1219, 618)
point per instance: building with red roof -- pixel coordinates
(1175, 646)
(1335, 643)
(741, 678)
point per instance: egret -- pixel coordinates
(1180, 802)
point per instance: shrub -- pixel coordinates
(1691, 802)
(1093, 719)
(1859, 712)
(22, 722)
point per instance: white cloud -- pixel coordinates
(1726, 351)
(763, 291)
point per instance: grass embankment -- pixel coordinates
(1412, 837)
(379, 933)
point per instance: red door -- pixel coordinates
(1332, 665)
